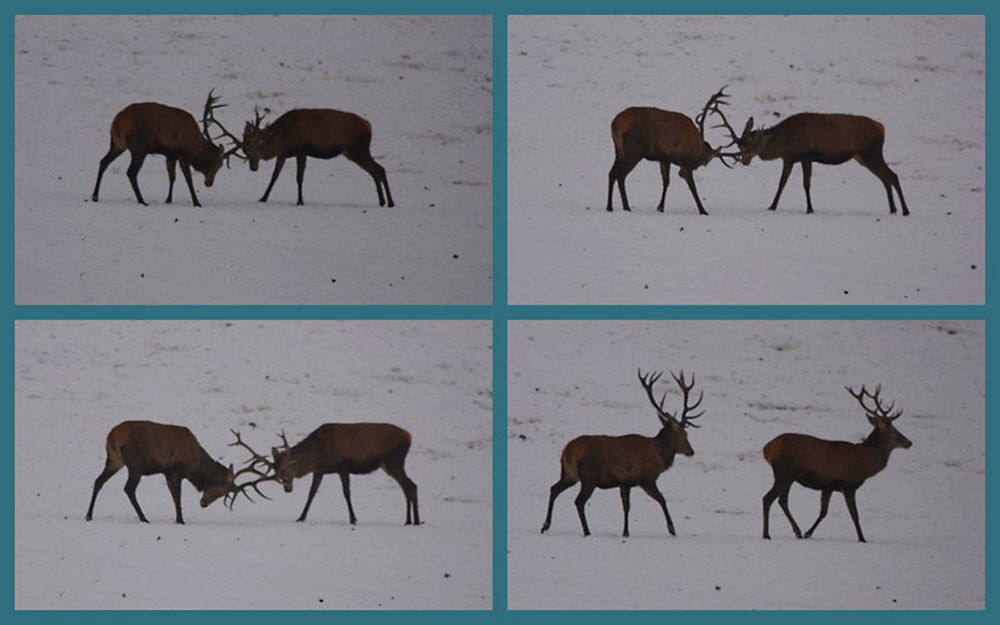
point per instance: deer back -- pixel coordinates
(313, 131)
(822, 137)
(818, 463)
(151, 447)
(159, 129)
(356, 447)
(614, 460)
(656, 134)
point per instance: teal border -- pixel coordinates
(498, 312)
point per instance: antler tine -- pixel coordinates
(209, 116)
(876, 396)
(686, 417)
(256, 457)
(647, 382)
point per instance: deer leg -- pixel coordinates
(130, 486)
(171, 175)
(278, 164)
(786, 170)
(554, 492)
(779, 488)
(361, 155)
(783, 502)
(624, 167)
(625, 492)
(824, 503)
(300, 172)
(665, 174)
(174, 485)
(807, 170)
(397, 472)
(133, 175)
(112, 154)
(612, 177)
(109, 469)
(654, 492)
(317, 478)
(688, 177)
(186, 170)
(852, 507)
(875, 163)
(345, 481)
(586, 490)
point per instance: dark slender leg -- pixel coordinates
(581, 500)
(186, 170)
(875, 163)
(554, 492)
(786, 170)
(130, 486)
(824, 503)
(171, 175)
(625, 492)
(133, 175)
(112, 154)
(625, 166)
(361, 155)
(109, 470)
(853, 509)
(654, 492)
(807, 170)
(345, 481)
(278, 164)
(300, 172)
(780, 488)
(397, 472)
(783, 502)
(688, 177)
(317, 478)
(174, 485)
(612, 177)
(665, 175)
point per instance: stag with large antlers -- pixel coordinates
(829, 466)
(826, 138)
(666, 137)
(149, 128)
(623, 462)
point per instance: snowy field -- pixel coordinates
(923, 515)
(424, 83)
(923, 77)
(76, 380)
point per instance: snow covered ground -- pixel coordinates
(923, 515)
(923, 77)
(75, 380)
(424, 83)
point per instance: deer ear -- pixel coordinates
(873, 420)
(749, 126)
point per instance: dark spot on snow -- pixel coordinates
(972, 266)
(522, 437)
(454, 255)
(431, 205)
(333, 279)
(718, 587)
(682, 229)
(142, 275)
(447, 575)
(846, 292)
(176, 219)
(321, 600)
(158, 538)
(646, 287)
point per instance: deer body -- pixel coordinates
(345, 449)
(623, 462)
(827, 138)
(148, 448)
(830, 466)
(151, 128)
(316, 133)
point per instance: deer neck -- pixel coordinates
(666, 446)
(876, 452)
(207, 472)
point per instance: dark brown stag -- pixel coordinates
(319, 133)
(150, 128)
(147, 448)
(623, 462)
(666, 137)
(829, 466)
(344, 449)
(827, 138)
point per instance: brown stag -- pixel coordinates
(666, 137)
(829, 466)
(344, 449)
(827, 138)
(319, 133)
(150, 128)
(147, 448)
(626, 461)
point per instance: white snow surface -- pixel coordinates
(76, 380)
(424, 83)
(923, 77)
(923, 515)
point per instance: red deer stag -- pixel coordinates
(150, 128)
(666, 137)
(829, 466)
(626, 461)
(319, 133)
(147, 448)
(827, 138)
(344, 448)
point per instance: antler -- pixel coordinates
(208, 116)
(712, 106)
(686, 418)
(878, 411)
(257, 117)
(256, 458)
(647, 382)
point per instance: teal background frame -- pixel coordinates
(498, 312)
